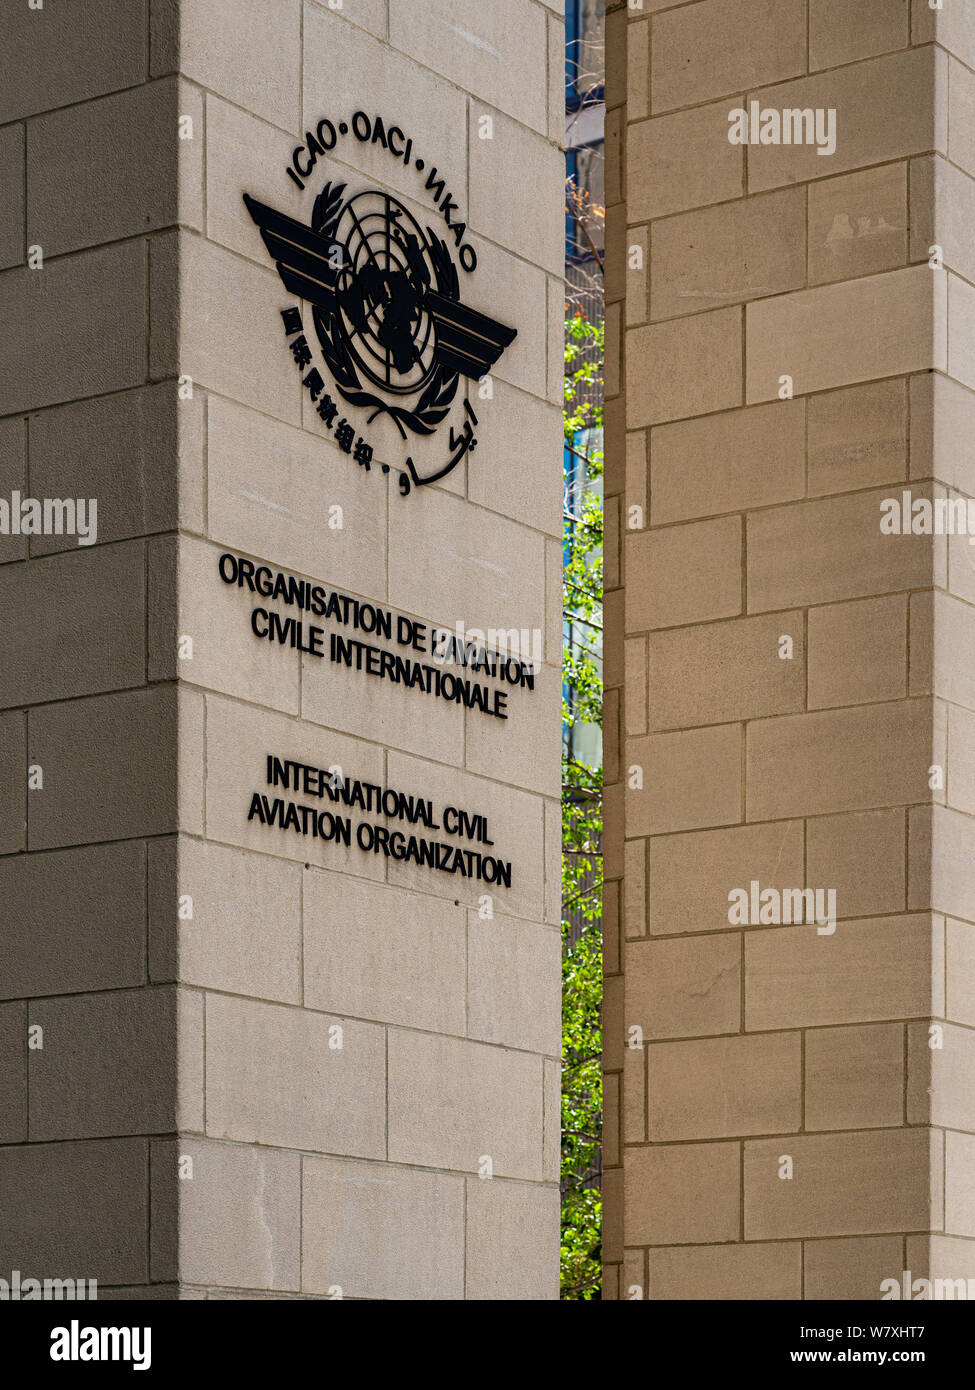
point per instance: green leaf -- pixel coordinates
(582, 824)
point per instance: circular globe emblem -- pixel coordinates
(380, 293)
(396, 337)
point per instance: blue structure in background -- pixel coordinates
(584, 121)
(585, 105)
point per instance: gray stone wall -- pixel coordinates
(189, 1127)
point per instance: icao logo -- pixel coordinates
(385, 302)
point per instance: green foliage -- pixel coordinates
(584, 342)
(581, 1113)
(582, 821)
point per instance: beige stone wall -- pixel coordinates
(368, 1157)
(315, 1168)
(90, 184)
(738, 517)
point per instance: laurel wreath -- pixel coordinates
(435, 402)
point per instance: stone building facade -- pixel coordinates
(241, 1056)
(789, 696)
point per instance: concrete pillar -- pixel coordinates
(241, 1058)
(791, 704)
